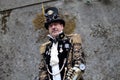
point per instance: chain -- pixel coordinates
(59, 70)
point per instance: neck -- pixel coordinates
(59, 37)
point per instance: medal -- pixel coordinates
(67, 45)
(61, 50)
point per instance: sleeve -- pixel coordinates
(42, 71)
(78, 53)
(78, 59)
(43, 74)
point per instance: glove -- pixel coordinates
(73, 74)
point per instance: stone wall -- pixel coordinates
(97, 21)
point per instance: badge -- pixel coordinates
(82, 67)
(67, 45)
(47, 52)
(61, 50)
(50, 12)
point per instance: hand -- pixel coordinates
(73, 74)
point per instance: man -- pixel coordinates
(63, 57)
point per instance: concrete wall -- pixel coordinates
(97, 22)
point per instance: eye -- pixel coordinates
(50, 25)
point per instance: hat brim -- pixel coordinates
(57, 20)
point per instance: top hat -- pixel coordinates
(52, 15)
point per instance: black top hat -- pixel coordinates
(52, 15)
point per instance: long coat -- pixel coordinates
(69, 49)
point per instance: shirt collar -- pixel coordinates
(59, 37)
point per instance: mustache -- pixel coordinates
(54, 29)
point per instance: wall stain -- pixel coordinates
(105, 1)
(5, 15)
(99, 31)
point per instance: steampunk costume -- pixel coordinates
(63, 57)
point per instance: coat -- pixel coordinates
(70, 55)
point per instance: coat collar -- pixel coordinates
(59, 37)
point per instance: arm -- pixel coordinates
(42, 71)
(78, 58)
(43, 74)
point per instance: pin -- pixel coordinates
(61, 50)
(82, 67)
(67, 45)
(47, 53)
(60, 45)
(50, 12)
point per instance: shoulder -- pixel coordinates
(43, 47)
(75, 38)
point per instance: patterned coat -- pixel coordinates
(70, 54)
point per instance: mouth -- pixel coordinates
(54, 30)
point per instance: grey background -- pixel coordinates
(97, 22)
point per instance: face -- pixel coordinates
(55, 28)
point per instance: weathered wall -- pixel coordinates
(98, 24)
